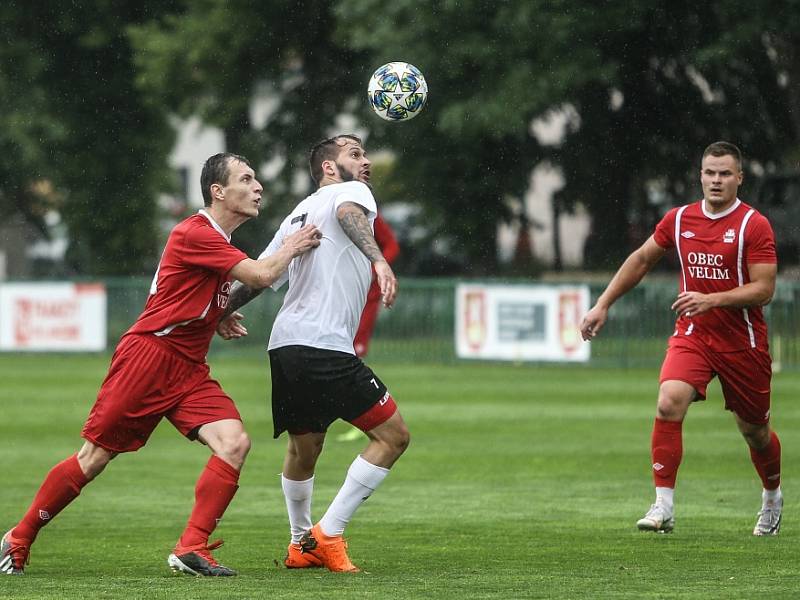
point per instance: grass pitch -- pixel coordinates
(520, 482)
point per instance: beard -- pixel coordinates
(346, 176)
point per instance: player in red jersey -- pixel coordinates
(728, 270)
(159, 370)
(387, 242)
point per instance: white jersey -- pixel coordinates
(328, 285)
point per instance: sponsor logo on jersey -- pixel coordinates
(704, 265)
(729, 236)
(687, 234)
(222, 296)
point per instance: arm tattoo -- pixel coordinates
(239, 295)
(355, 224)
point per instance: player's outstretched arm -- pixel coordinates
(258, 274)
(635, 267)
(355, 224)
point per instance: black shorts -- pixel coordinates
(311, 388)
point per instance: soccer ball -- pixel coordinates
(397, 91)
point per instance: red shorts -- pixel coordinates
(145, 383)
(744, 375)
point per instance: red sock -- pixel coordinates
(768, 462)
(61, 486)
(666, 450)
(214, 491)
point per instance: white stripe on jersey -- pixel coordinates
(168, 330)
(678, 243)
(154, 285)
(740, 273)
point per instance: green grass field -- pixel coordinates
(520, 482)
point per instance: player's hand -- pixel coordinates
(387, 282)
(689, 304)
(303, 240)
(593, 322)
(230, 328)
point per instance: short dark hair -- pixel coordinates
(724, 149)
(327, 149)
(216, 170)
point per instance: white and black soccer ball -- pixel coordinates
(397, 91)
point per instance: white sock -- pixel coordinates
(771, 496)
(664, 496)
(298, 505)
(362, 479)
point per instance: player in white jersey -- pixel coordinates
(323, 305)
(316, 376)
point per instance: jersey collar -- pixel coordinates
(724, 213)
(215, 225)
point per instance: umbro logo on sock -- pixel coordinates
(657, 466)
(44, 515)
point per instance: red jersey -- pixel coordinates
(387, 242)
(715, 251)
(190, 288)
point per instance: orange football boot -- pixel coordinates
(330, 550)
(297, 558)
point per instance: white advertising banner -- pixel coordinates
(53, 316)
(521, 322)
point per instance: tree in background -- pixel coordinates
(671, 79)
(215, 58)
(73, 118)
(26, 120)
(650, 85)
(87, 88)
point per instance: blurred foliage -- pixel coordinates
(643, 88)
(72, 118)
(647, 85)
(214, 57)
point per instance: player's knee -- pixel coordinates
(399, 439)
(243, 445)
(93, 459)
(307, 451)
(674, 398)
(757, 437)
(235, 447)
(671, 406)
(306, 458)
(666, 411)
